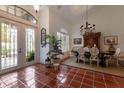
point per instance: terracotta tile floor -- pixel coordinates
(37, 76)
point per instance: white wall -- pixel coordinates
(75, 33)
(109, 21)
(44, 22)
(57, 22)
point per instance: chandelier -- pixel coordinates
(88, 28)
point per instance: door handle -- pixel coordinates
(20, 50)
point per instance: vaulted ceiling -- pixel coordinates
(74, 13)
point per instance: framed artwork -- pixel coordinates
(111, 40)
(77, 41)
(43, 36)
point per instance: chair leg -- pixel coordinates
(117, 63)
(78, 59)
(107, 63)
(97, 63)
(90, 61)
(84, 60)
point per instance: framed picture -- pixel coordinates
(43, 36)
(77, 41)
(111, 40)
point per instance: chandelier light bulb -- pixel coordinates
(36, 8)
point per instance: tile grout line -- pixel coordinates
(73, 78)
(82, 79)
(98, 81)
(47, 77)
(93, 79)
(104, 80)
(60, 80)
(88, 79)
(47, 82)
(115, 81)
(3, 83)
(66, 75)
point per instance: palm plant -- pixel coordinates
(55, 46)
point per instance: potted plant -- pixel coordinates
(30, 57)
(55, 49)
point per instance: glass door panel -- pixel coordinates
(8, 34)
(30, 45)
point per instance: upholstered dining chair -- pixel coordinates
(114, 58)
(94, 55)
(81, 55)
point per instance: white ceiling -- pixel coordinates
(74, 13)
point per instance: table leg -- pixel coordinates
(102, 60)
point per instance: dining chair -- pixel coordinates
(94, 55)
(81, 55)
(115, 57)
(86, 54)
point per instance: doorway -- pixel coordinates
(17, 45)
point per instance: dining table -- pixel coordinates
(103, 56)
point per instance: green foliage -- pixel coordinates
(5, 51)
(30, 57)
(55, 46)
(51, 39)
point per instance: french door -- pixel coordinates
(17, 45)
(29, 45)
(8, 45)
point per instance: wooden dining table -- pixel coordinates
(103, 55)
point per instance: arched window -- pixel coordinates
(19, 12)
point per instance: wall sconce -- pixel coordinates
(36, 8)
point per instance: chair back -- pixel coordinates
(94, 51)
(80, 50)
(117, 53)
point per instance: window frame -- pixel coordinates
(66, 41)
